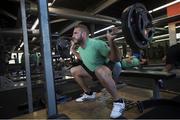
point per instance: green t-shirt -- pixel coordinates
(94, 54)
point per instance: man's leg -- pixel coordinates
(81, 76)
(116, 72)
(104, 75)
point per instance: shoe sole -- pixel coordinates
(86, 100)
(120, 117)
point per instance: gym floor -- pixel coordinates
(101, 107)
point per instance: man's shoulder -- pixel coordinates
(96, 40)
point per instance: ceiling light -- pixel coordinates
(164, 6)
(178, 35)
(35, 24)
(33, 39)
(120, 38)
(161, 40)
(177, 26)
(165, 35)
(106, 28)
(21, 84)
(50, 4)
(21, 44)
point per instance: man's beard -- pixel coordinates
(78, 41)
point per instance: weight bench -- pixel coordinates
(158, 77)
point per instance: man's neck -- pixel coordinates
(83, 45)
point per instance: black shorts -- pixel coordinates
(110, 65)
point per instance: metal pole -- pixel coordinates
(26, 51)
(16, 32)
(49, 78)
(82, 16)
(156, 90)
(85, 15)
(172, 33)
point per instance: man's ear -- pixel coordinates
(84, 34)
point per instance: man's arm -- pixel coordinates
(73, 50)
(114, 52)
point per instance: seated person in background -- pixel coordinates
(130, 61)
(141, 56)
(172, 57)
(94, 55)
(143, 59)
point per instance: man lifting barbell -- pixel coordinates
(94, 55)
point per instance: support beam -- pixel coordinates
(57, 20)
(166, 20)
(17, 32)
(93, 10)
(161, 29)
(49, 78)
(160, 37)
(172, 33)
(8, 14)
(82, 16)
(26, 52)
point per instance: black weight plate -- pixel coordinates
(132, 31)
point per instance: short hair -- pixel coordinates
(83, 28)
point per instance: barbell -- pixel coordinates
(137, 29)
(137, 26)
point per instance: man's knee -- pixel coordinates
(74, 70)
(103, 70)
(78, 71)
